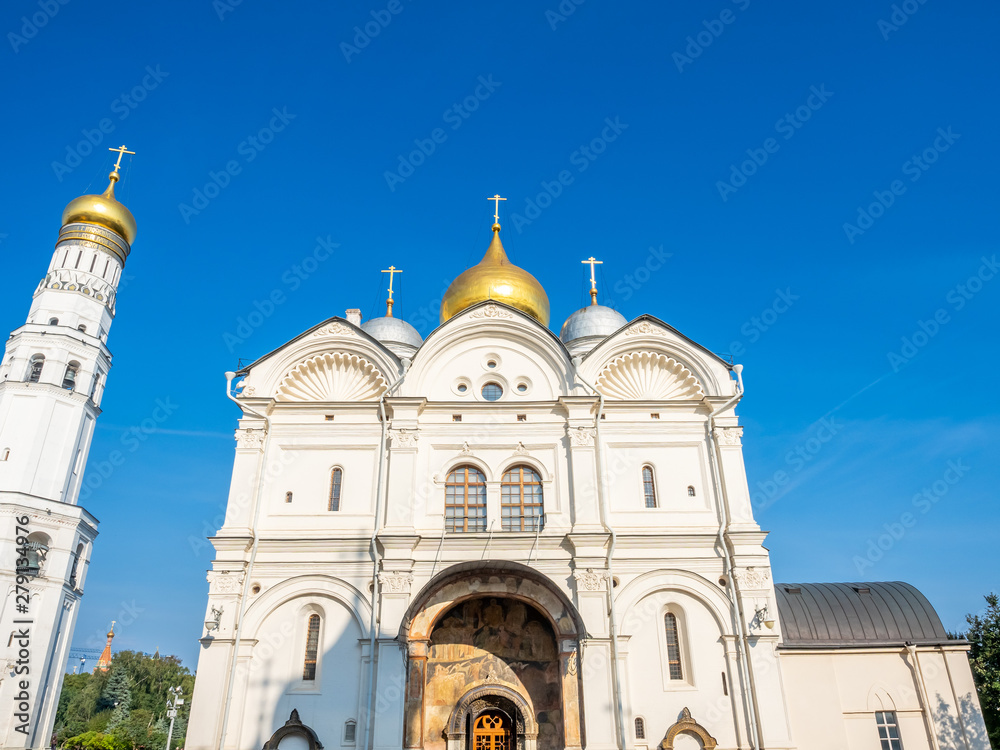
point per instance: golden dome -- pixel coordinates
(102, 210)
(496, 278)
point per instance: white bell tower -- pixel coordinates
(52, 379)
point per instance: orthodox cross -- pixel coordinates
(121, 152)
(392, 271)
(592, 261)
(496, 212)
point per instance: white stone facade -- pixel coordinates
(604, 572)
(52, 380)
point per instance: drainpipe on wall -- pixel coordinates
(925, 708)
(602, 504)
(258, 502)
(729, 563)
(373, 547)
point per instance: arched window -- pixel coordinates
(640, 728)
(35, 368)
(36, 548)
(350, 732)
(69, 379)
(888, 730)
(690, 491)
(76, 564)
(673, 646)
(465, 500)
(648, 486)
(81, 328)
(53, 321)
(336, 485)
(312, 648)
(521, 499)
(288, 497)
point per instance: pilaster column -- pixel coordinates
(569, 669)
(416, 679)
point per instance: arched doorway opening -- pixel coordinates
(497, 631)
(492, 717)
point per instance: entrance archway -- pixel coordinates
(499, 626)
(490, 715)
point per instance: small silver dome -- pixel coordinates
(398, 336)
(588, 326)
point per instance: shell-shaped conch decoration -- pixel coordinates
(332, 377)
(648, 376)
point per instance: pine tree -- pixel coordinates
(118, 693)
(984, 657)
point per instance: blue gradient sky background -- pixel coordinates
(190, 281)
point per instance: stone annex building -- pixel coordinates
(492, 539)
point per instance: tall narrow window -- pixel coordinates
(336, 485)
(350, 732)
(465, 500)
(888, 730)
(673, 647)
(640, 728)
(35, 368)
(69, 378)
(521, 499)
(648, 486)
(312, 647)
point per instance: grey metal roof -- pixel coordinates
(853, 615)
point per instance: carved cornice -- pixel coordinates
(491, 311)
(395, 582)
(250, 438)
(753, 577)
(645, 328)
(225, 581)
(335, 329)
(403, 438)
(591, 580)
(729, 435)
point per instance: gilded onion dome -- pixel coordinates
(496, 278)
(102, 210)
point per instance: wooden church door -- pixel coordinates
(491, 731)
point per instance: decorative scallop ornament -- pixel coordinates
(648, 376)
(332, 377)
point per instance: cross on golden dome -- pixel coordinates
(121, 152)
(496, 211)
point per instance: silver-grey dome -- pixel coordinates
(398, 336)
(592, 322)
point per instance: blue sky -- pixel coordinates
(709, 152)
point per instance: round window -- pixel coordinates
(522, 387)
(492, 364)
(462, 387)
(492, 391)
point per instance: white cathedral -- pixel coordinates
(492, 539)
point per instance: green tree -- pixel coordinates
(138, 684)
(984, 657)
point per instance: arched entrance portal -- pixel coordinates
(503, 647)
(492, 717)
